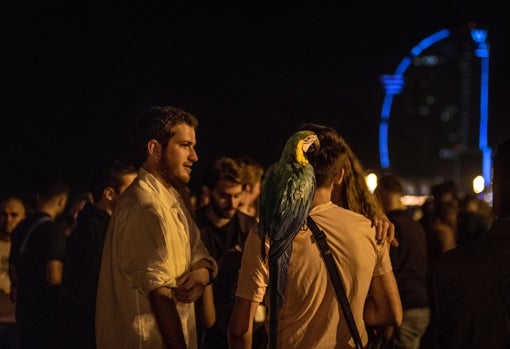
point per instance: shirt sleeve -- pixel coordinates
(153, 251)
(383, 264)
(253, 274)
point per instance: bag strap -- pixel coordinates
(29, 231)
(336, 279)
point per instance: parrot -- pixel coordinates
(287, 191)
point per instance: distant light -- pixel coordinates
(426, 60)
(478, 184)
(371, 180)
(430, 99)
(446, 154)
(414, 200)
(423, 110)
(445, 116)
(416, 50)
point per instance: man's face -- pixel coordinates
(225, 198)
(12, 212)
(179, 155)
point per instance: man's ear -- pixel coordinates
(339, 177)
(154, 149)
(61, 201)
(109, 193)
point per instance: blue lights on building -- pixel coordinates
(395, 84)
(482, 51)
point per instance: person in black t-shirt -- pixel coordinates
(84, 249)
(224, 230)
(409, 260)
(36, 264)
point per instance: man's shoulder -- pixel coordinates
(352, 215)
(464, 255)
(246, 222)
(137, 195)
(341, 216)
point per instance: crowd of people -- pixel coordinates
(139, 262)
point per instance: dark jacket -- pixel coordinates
(80, 279)
(472, 292)
(409, 260)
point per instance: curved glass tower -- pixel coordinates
(434, 115)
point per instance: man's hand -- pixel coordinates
(191, 285)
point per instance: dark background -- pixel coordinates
(77, 78)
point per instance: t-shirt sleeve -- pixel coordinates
(383, 264)
(253, 274)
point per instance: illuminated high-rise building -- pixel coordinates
(435, 111)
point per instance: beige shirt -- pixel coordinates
(311, 315)
(151, 241)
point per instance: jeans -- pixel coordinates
(414, 325)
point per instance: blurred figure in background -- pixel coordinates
(224, 230)
(36, 263)
(252, 177)
(409, 260)
(83, 255)
(77, 204)
(471, 223)
(442, 230)
(472, 282)
(12, 211)
(445, 191)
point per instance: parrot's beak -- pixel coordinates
(311, 144)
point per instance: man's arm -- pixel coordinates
(240, 328)
(54, 270)
(167, 318)
(205, 310)
(383, 306)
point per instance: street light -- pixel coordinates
(371, 180)
(478, 184)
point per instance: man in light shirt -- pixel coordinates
(154, 265)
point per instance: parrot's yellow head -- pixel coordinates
(307, 142)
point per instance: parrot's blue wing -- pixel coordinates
(291, 207)
(286, 195)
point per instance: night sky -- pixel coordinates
(77, 79)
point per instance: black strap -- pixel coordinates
(336, 279)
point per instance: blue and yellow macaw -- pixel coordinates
(287, 192)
